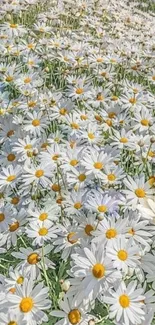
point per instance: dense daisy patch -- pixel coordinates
(77, 158)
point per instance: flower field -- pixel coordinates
(77, 162)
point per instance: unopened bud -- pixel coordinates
(141, 143)
(150, 123)
(47, 69)
(100, 217)
(8, 17)
(91, 322)
(152, 139)
(35, 152)
(65, 285)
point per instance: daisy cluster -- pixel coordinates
(77, 176)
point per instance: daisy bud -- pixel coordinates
(8, 17)
(47, 69)
(100, 217)
(65, 285)
(150, 123)
(152, 139)
(141, 143)
(35, 152)
(91, 322)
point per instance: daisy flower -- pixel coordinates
(41, 232)
(123, 254)
(71, 314)
(126, 304)
(96, 269)
(100, 203)
(11, 317)
(37, 175)
(15, 228)
(94, 162)
(35, 123)
(109, 229)
(67, 240)
(9, 176)
(30, 301)
(31, 259)
(137, 190)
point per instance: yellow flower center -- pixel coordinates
(124, 301)
(12, 323)
(123, 140)
(43, 231)
(14, 226)
(133, 100)
(70, 238)
(15, 200)
(113, 61)
(72, 144)
(74, 316)
(28, 146)
(43, 216)
(27, 80)
(79, 91)
(140, 192)
(108, 122)
(151, 154)
(11, 157)
(111, 177)
(98, 118)
(98, 271)
(131, 232)
(82, 177)
(74, 126)
(99, 60)
(2, 217)
(153, 78)
(30, 46)
(13, 25)
(88, 229)
(10, 133)
(11, 178)
(20, 280)
(112, 115)
(55, 157)
(145, 122)
(98, 165)
(77, 205)
(39, 173)
(36, 122)
(33, 258)
(83, 117)
(152, 180)
(12, 290)
(32, 104)
(102, 208)
(99, 97)
(56, 187)
(135, 90)
(26, 304)
(122, 255)
(91, 136)
(63, 111)
(114, 98)
(111, 233)
(44, 145)
(9, 78)
(73, 162)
